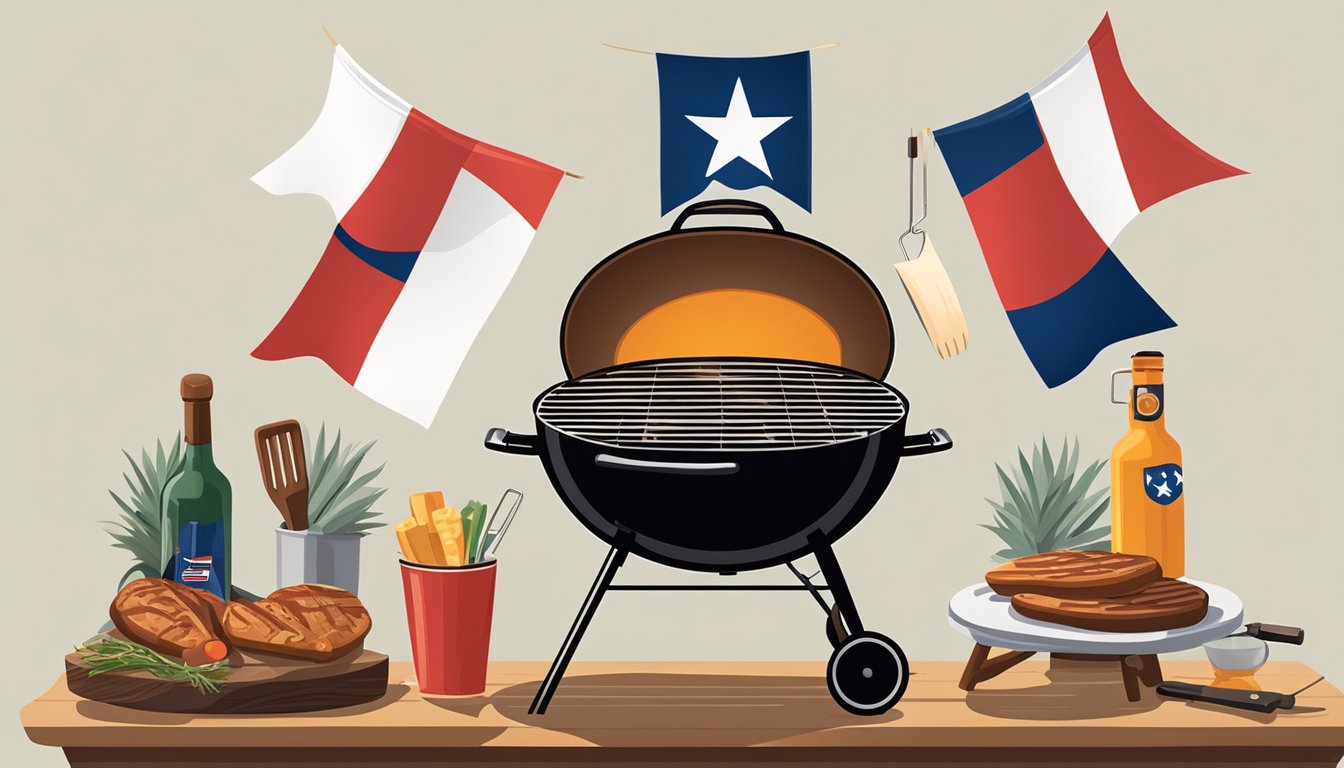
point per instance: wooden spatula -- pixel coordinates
(284, 470)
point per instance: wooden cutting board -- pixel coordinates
(260, 683)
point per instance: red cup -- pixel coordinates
(448, 610)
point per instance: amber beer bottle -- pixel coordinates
(197, 506)
(1147, 482)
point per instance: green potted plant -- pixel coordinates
(137, 529)
(340, 514)
(1048, 505)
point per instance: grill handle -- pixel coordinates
(607, 461)
(933, 441)
(727, 208)
(504, 441)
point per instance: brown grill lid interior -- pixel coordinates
(727, 292)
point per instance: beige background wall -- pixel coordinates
(135, 249)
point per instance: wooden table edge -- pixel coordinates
(277, 732)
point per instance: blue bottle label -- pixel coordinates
(1163, 483)
(200, 557)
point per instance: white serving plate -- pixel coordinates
(989, 619)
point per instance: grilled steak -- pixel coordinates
(308, 621)
(213, 605)
(1164, 604)
(1070, 573)
(169, 617)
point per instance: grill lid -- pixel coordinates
(718, 405)
(732, 291)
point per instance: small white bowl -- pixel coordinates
(1237, 654)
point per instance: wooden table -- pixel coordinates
(696, 713)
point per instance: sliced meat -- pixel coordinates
(1164, 604)
(209, 605)
(308, 621)
(1071, 573)
(169, 617)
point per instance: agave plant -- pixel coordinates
(338, 500)
(1047, 505)
(137, 529)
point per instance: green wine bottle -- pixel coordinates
(197, 523)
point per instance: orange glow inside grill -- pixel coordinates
(730, 322)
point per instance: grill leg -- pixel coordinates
(830, 569)
(615, 558)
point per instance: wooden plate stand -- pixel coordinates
(1134, 669)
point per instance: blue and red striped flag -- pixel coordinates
(1049, 180)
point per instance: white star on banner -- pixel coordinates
(1179, 480)
(1163, 490)
(738, 133)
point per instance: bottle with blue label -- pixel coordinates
(197, 504)
(1147, 481)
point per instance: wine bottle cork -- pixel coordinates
(197, 389)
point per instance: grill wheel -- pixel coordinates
(867, 674)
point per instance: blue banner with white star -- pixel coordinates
(743, 122)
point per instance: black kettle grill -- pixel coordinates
(736, 364)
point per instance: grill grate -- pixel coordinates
(715, 405)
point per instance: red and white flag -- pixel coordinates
(431, 228)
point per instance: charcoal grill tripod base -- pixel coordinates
(867, 672)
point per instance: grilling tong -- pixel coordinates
(1254, 701)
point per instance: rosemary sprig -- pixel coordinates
(109, 654)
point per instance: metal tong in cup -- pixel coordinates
(493, 533)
